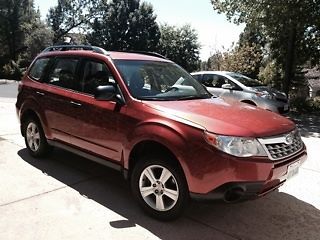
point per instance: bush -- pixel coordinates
(302, 105)
(12, 71)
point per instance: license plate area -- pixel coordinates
(293, 169)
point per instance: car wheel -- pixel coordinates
(35, 139)
(159, 187)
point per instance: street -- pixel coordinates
(68, 197)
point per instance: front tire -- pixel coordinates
(159, 187)
(35, 139)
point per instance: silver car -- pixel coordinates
(237, 87)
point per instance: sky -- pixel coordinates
(214, 31)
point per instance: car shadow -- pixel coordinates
(309, 125)
(276, 216)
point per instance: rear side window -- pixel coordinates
(63, 74)
(38, 68)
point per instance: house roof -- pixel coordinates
(313, 77)
(313, 73)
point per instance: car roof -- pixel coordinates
(115, 55)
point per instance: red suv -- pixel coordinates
(147, 117)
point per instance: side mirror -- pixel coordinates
(106, 93)
(227, 86)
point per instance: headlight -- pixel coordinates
(265, 95)
(236, 146)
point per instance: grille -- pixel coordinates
(282, 146)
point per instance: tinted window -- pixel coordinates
(197, 76)
(95, 74)
(213, 80)
(249, 82)
(63, 74)
(38, 67)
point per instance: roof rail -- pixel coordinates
(75, 47)
(154, 54)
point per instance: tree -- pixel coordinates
(180, 44)
(125, 25)
(214, 62)
(13, 13)
(38, 37)
(22, 36)
(69, 15)
(290, 28)
(245, 58)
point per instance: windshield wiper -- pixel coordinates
(202, 96)
(152, 98)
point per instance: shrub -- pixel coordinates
(302, 105)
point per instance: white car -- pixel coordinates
(237, 87)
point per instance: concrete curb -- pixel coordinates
(6, 81)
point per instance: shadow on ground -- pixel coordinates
(309, 125)
(276, 216)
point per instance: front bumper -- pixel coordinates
(273, 105)
(243, 186)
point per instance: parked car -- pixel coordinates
(237, 87)
(148, 118)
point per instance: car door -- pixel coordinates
(62, 82)
(234, 93)
(96, 125)
(214, 83)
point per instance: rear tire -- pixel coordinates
(35, 138)
(159, 187)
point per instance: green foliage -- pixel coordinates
(22, 36)
(245, 59)
(302, 105)
(271, 74)
(181, 46)
(213, 63)
(12, 70)
(69, 15)
(125, 25)
(291, 29)
(13, 15)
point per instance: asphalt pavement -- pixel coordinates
(65, 196)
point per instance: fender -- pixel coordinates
(169, 134)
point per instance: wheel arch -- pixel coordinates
(28, 113)
(149, 147)
(249, 102)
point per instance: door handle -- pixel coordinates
(40, 93)
(76, 104)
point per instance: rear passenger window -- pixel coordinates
(38, 67)
(63, 74)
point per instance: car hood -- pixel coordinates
(220, 117)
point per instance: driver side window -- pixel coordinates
(95, 74)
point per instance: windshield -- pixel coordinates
(249, 82)
(151, 80)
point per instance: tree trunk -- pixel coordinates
(290, 60)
